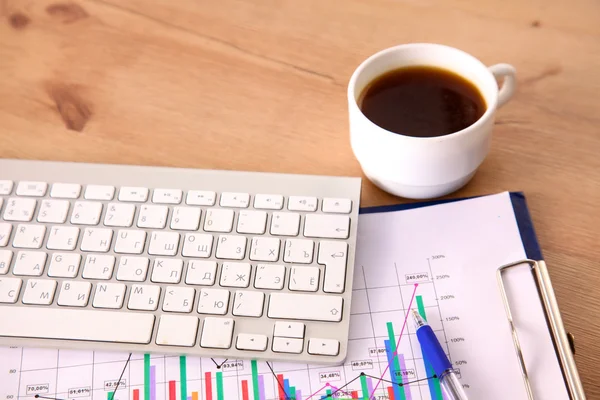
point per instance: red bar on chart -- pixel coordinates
(245, 390)
(280, 386)
(208, 385)
(136, 394)
(172, 391)
(390, 390)
(354, 394)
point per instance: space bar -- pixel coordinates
(55, 323)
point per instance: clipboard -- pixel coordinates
(563, 341)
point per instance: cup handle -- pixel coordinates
(507, 73)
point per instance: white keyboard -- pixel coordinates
(164, 260)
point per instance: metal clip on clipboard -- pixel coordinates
(563, 341)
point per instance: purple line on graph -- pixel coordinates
(153, 382)
(261, 387)
(403, 378)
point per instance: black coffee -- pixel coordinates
(422, 101)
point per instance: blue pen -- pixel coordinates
(433, 352)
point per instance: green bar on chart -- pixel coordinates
(292, 392)
(392, 339)
(183, 377)
(220, 395)
(109, 395)
(365, 388)
(255, 387)
(146, 376)
(435, 382)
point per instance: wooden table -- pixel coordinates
(261, 85)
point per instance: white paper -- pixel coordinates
(451, 250)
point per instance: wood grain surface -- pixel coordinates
(261, 85)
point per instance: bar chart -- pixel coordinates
(384, 358)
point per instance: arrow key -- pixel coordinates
(287, 345)
(247, 341)
(327, 226)
(324, 347)
(289, 329)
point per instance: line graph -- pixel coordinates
(384, 360)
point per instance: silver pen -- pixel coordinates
(435, 356)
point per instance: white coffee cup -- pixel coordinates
(425, 167)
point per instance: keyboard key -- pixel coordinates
(269, 276)
(64, 265)
(98, 266)
(186, 218)
(132, 269)
(74, 293)
(231, 247)
(323, 347)
(200, 198)
(119, 214)
(197, 245)
(77, 324)
(167, 196)
(62, 238)
(39, 291)
(252, 222)
(268, 201)
(302, 203)
(177, 330)
(154, 217)
(248, 304)
(334, 256)
(327, 226)
(86, 213)
(264, 249)
(247, 341)
(340, 206)
(29, 236)
(5, 230)
(201, 273)
(109, 295)
(238, 200)
(217, 333)
(287, 345)
(178, 299)
(289, 329)
(134, 194)
(9, 291)
(298, 251)
(65, 190)
(312, 307)
(30, 263)
(218, 220)
(144, 297)
(5, 259)
(213, 301)
(99, 192)
(285, 224)
(35, 189)
(304, 279)
(6, 187)
(167, 270)
(53, 211)
(164, 243)
(96, 239)
(19, 209)
(234, 274)
(130, 241)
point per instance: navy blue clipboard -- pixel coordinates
(563, 341)
(521, 210)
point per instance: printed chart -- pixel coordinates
(384, 361)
